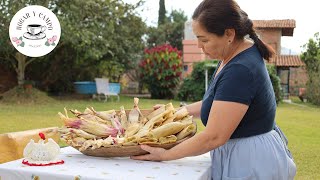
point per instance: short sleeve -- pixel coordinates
(236, 84)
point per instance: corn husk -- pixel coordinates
(90, 117)
(92, 127)
(105, 115)
(123, 118)
(167, 129)
(78, 141)
(132, 129)
(134, 113)
(168, 139)
(156, 112)
(78, 132)
(116, 123)
(186, 131)
(181, 113)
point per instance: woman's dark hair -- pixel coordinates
(218, 15)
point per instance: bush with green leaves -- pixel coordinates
(311, 57)
(313, 88)
(193, 87)
(275, 80)
(161, 69)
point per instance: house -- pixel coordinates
(290, 68)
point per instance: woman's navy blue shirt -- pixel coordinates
(245, 80)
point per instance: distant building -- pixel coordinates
(290, 68)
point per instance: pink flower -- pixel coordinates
(18, 42)
(54, 38)
(14, 39)
(50, 40)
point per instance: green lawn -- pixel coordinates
(301, 124)
(24, 117)
(302, 127)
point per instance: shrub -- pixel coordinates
(161, 69)
(313, 88)
(275, 80)
(193, 87)
(311, 57)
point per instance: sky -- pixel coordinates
(305, 13)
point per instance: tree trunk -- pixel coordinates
(21, 59)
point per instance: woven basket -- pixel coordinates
(124, 151)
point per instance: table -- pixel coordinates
(81, 167)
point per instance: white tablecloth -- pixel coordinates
(81, 167)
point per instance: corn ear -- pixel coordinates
(92, 127)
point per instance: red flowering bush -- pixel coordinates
(161, 69)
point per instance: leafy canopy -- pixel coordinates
(311, 57)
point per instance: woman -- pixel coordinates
(239, 107)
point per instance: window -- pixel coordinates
(185, 67)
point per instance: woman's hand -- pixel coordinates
(156, 154)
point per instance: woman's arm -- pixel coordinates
(223, 120)
(194, 109)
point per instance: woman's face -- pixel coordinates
(211, 44)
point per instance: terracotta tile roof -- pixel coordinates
(287, 25)
(283, 23)
(287, 61)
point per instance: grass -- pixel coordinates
(301, 124)
(302, 127)
(19, 117)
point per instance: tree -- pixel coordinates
(311, 57)
(176, 23)
(170, 32)
(311, 54)
(8, 53)
(162, 13)
(98, 38)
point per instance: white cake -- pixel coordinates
(41, 153)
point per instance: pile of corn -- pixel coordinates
(95, 129)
